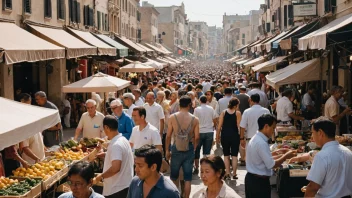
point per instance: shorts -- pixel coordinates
(230, 145)
(182, 159)
(205, 140)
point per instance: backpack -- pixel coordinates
(183, 137)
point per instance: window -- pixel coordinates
(7, 4)
(88, 16)
(47, 8)
(27, 6)
(61, 9)
(106, 22)
(285, 16)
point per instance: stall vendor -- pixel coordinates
(12, 160)
(284, 108)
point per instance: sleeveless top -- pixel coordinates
(229, 126)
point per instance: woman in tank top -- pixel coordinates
(229, 122)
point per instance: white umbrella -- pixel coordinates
(97, 83)
(154, 64)
(19, 121)
(136, 67)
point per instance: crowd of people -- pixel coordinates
(165, 123)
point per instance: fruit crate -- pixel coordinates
(36, 191)
(55, 178)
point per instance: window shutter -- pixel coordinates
(78, 12)
(50, 8)
(290, 14)
(27, 6)
(61, 9)
(268, 27)
(91, 23)
(327, 5)
(106, 22)
(273, 18)
(6, 4)
(86, 15)
(47, 8)
(285, 16)
(98, 18)
(70, 11)
(268, 4)
(74, 11)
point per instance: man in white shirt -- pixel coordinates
(144, 133)
(284, 108)
(331, 172)
(155, 113)
(224, 102)
(308, 104)
(264, 102)
(138, 100)
(91, 122)
(118, 164)
(206, 85)
(249, 122)
(128, 99)
(207, 120)
(260, 161)
(332, 107)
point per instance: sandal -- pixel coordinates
(235, 177)
(227, 177)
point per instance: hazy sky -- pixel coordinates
(211, 11)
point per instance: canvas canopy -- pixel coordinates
(166, 61)
(123, 50)
(136, 67)
(317, 39)
(154, 64)
(295, 73)
(243, 61)
(172, 59)
(268, 65)
(145, 48)
(254, 61)
(103, 48)
(18, 45)
(155, 48)
(267, 45)
(97, 83)
(130, 44)
(166, 51)
(74, 47)
(21, 121)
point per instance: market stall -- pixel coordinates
(136, 67)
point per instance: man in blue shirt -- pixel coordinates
(148, 180)
(126, 123)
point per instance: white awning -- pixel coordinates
(130, 44)
(268, 65)
(155, 48)
(166, 61)
(282, 42)
(163, 48)
(136, 67)
(267, 45)
(254, 61)
(144, 47)
(74, 47)
(243, 61)
(123, 51)
(18, 45)
(103, 48)
(97, 83)
(317, 39)
(19, 121)
(174, 60)
(295, 73)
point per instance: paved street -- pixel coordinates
(237, 185)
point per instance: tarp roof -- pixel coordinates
(18, 45)
(136, 67)
(155, 48)
(295, 73)
(317, 39)
(19, 121)
(268, 65)
(130, 44)
(123, 50)
(74, 47)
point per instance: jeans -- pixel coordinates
(182, 159)
(205, 140)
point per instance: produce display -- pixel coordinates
(70, 155)
(83, 144)
(41, 170)
(10, 187)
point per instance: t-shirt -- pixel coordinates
(244, 102)
(119, 149)
(36, 145)
(149, 135)
(92, 127)
(154, 114)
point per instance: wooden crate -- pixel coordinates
(36, 191)
(55, 178)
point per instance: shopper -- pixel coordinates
(174, 103)
(126, 123)
(33, 147)
(243, 97)
(80, 178)
(260, 161)
(224, 102)
(155, 113)
(284, 108)
(184, 129)
(308, 105)
(128, 100)
(332, 108)
(144, 133)
(91, 122)
(264, 102)
(212, 174)
(138, 100)
(249, 122)
(207, 120)
(149, 182)
(118, 164)
(228, 130)
(53, 135)
(331, 172)
(211, 100)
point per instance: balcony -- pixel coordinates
(113, 7)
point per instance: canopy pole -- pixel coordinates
(321, 84)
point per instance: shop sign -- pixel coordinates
(304, 10)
